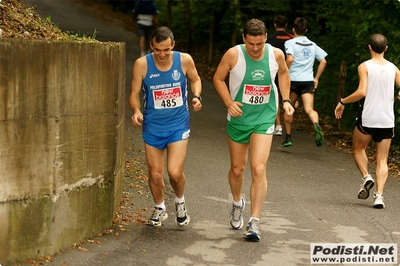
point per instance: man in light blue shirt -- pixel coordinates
(301, 55)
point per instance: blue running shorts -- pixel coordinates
(160, 140)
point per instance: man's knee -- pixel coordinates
(175, 173)
(237, 171)
(259, 172)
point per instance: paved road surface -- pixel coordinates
(312, 191)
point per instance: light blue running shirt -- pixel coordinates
(304, 53)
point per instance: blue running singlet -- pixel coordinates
(165, 97)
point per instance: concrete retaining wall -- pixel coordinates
(62, 111)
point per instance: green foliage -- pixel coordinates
(48, 19)
(348, 24)
(202, 14)
(340, 27)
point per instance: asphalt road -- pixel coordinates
(312, 191)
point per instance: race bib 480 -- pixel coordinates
(167, 98)
(254, 94)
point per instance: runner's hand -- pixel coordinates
(137, 119)
(234, 109)
(196, 104)
(339, 110)
(289, 110)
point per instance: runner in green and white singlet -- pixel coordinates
(250, 83)
(252, 102)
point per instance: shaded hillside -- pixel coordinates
(18, 20)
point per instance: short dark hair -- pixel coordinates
(161, 34)
(300, 25)
(378, 43)
(280, 21)
(254, 27)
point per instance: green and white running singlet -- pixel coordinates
(251, 83)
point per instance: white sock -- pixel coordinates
(180, 200)
(254, 218)
(161, 205)
(238, 203)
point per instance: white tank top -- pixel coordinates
(378, 110)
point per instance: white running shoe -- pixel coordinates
(278, 130)
(182, 218)
(253, 230)
(378, 203)
(236, 218)
(159, 215)
(366, 185)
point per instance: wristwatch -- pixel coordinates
(287, 100)
(198, 97)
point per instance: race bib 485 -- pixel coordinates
(167, 98)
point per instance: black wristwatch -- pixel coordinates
(287, 100)
(198, 97)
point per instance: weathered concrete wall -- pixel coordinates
(62, 111)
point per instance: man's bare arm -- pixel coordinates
(138, 72)
(227, 63)
(189, 68)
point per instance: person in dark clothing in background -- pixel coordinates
(145, 16)
(278, 39)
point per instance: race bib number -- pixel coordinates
(253, 94)
(167, 98)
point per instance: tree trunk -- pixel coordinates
(210, 41)
(169, 12)
(188, 25)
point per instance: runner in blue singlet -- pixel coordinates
(162, 76)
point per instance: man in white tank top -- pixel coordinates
(376, 118)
